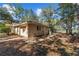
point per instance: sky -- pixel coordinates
(39, 5)
(36, 7)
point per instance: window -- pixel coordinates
(23, 29)
(38, 28)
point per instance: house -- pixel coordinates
(30, 29)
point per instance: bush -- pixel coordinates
(4, 29)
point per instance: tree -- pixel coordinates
(31, 15)
(24, 14)
(47, 13)
(67, 14)
(19, 11)
(5, 16)
(77, 16)
(7, 20)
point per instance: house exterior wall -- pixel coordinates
(46, 30)
(30, 30)
(22, 31)
(15, 30)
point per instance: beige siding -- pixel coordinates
(22, 31)
(45, 30)
(30, 30)
(16, 30)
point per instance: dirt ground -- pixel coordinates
(57, 44)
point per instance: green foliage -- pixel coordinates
(31, 15)
(5, 16)
(24, 14)
(47, 13)
(19, 11)
(2, 25)
(68, 14)
(4, 29)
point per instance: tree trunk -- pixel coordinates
(50, 31)
(69, 28)
(67, 31)
(50, 26)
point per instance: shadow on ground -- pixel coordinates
(10, 51)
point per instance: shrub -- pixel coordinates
(4, 29)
